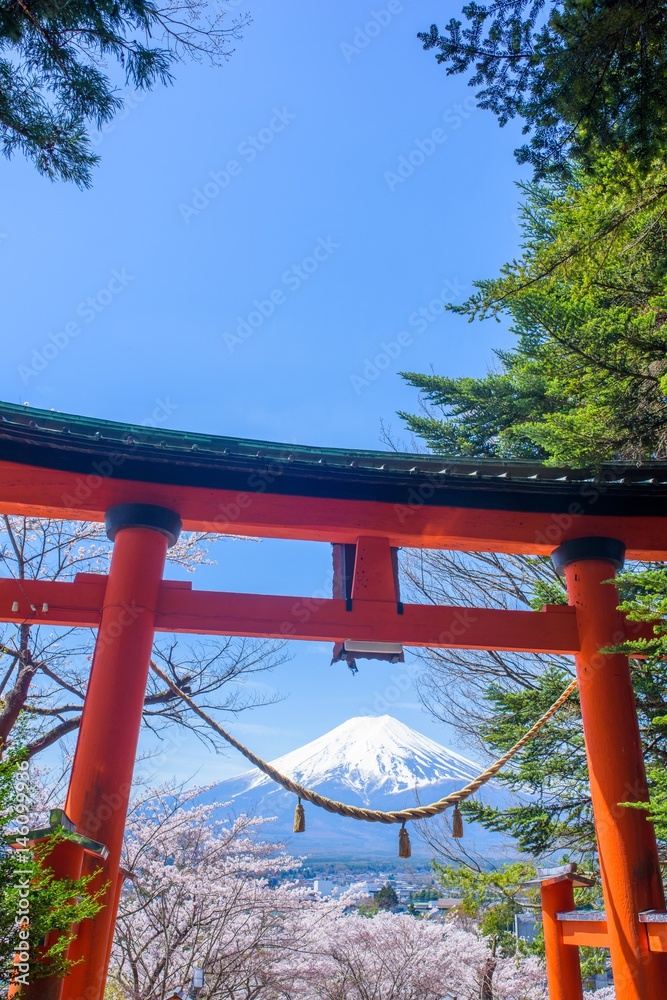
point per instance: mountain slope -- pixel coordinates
(371, 754)
(376, 762)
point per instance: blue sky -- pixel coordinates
(265, 246)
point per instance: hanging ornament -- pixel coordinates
(299, 818)
(404, 845)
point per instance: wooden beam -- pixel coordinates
(327, 620)
(584, 928)
(37, 492)
(200, 612)
(655, 923)
(308, 618)
(581, 927)
(46, 602)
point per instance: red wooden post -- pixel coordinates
(66, 861)
(626, 841)
(104, 761)
(562, 960)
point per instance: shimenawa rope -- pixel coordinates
(401, 816)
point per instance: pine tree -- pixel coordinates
(386, 898)
(587, 378)
(582, 75)
(53, 90)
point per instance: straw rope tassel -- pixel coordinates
(299, 818)
(457, 824)
(404, 845)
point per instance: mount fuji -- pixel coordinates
(370, 761)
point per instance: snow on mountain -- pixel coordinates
(371, 754)
(377, 762)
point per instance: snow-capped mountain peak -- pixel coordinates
(369, 754)
(373, 761)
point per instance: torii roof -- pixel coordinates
(55, 464)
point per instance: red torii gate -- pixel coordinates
(147, 484)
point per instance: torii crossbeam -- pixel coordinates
(146, 484)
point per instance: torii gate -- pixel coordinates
(146, 484)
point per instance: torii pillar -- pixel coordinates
(101, 779)
(627, 849)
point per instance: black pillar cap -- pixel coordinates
(143, 515)
(576, 549)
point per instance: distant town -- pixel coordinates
(415, 889)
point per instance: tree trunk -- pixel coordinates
(486, 991)
(18, 695)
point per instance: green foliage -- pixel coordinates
(425, 895)
(52, 87)
(585, 383)
(386, 898)
(490, 897)
(552, 817)
(53, 905)
(494, 897)
(587, 303)
(547, 592)
(581, 74)
(586, 379)
(552, 814)
(644, 599)
(479, 889)
(113, 991)
(656, 809)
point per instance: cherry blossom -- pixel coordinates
(211, 894)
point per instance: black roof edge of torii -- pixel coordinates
(67, 442)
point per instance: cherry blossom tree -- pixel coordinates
(202, 893)
(208, 893)
(395, 957)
